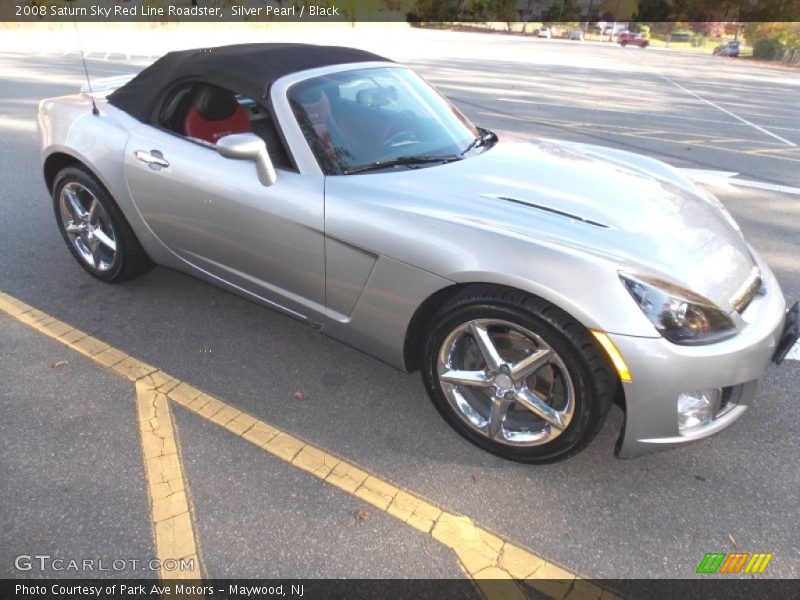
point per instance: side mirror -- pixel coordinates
(248, 146)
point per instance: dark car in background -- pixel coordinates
(681, 35)
(729, 49)
(574, 35)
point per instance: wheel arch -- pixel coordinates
(420, 323)
(421, 319)
(59, 160)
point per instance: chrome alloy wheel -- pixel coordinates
(88, 226)
(506, 382)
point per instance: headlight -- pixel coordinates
(681, 316)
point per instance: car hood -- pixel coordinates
(639, 212)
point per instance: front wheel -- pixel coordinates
(516, 376)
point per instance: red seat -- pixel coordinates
(214, 113)
(318, 113)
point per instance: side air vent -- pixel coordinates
(553, 211)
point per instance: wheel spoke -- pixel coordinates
(497, 417)
(530, 364)
(75, 204)
(92, 214)
(471, 378)
(95, 250)
(486, 346)
(105, 239)
(536, 405)
(73, 228)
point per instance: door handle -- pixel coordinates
(154, 158)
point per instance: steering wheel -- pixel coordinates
(401, 129)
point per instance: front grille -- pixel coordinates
(744, 296)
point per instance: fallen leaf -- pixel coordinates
(733, 540)
(363, 515)
(474, 478)
(298, 396)
(60, 363)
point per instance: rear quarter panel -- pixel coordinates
(68, 126)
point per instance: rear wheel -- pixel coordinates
(516, 376)
(94, 228)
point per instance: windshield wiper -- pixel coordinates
(400, 161)
(485, 137)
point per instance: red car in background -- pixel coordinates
(626, 37)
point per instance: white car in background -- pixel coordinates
(615, 30)
(545, 32)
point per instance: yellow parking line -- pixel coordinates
(696, 144)
(172, 517)
(484, 556)
(774, 150)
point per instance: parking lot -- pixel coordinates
(348, 438)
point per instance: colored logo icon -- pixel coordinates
(735, 562)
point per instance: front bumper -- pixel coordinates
(661, 371)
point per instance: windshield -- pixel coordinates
(379, 118)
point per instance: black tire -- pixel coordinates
(594, 380)
(130, 259)
(623, 44)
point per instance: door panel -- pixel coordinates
(214, 213)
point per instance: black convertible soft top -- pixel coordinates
(248, 69)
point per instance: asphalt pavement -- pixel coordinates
(72, 471)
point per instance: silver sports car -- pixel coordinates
(532, 282)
